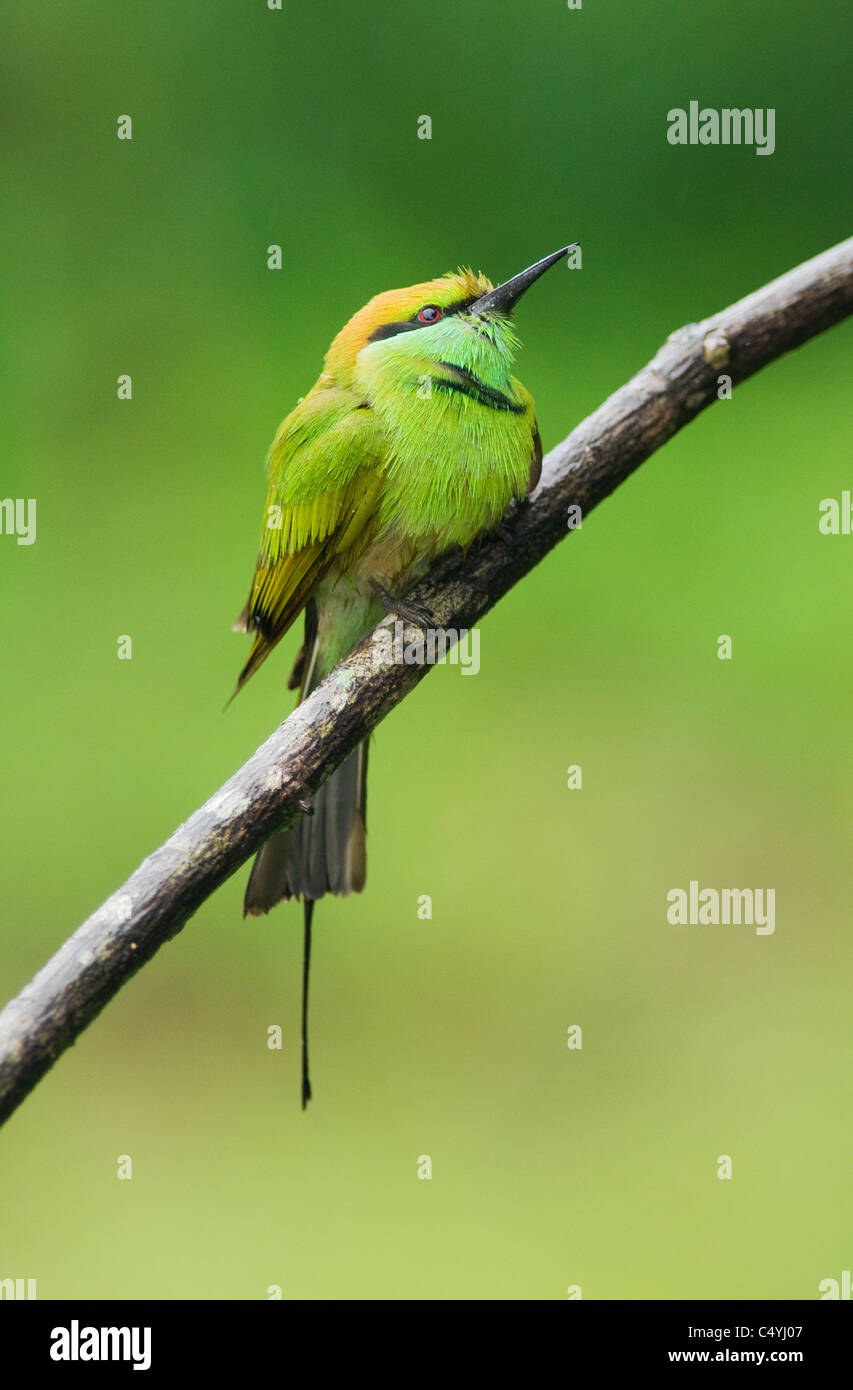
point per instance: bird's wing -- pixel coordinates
(536, 460)
(536, 441)
(324, 484)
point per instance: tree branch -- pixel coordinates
(272, 788)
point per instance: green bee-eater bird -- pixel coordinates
(415, 438)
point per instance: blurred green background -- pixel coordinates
(444, 1037)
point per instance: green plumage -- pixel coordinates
(409, 443)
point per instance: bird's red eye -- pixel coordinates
(430, 314)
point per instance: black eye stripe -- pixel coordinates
(390, 330)
(444, 310)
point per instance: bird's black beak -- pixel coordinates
(502, 299)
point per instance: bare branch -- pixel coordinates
(272, 787)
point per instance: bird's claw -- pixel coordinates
(416, 613)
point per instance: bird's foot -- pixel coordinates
(416, 613)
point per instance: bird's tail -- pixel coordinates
(323, 852)
(306, 971)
